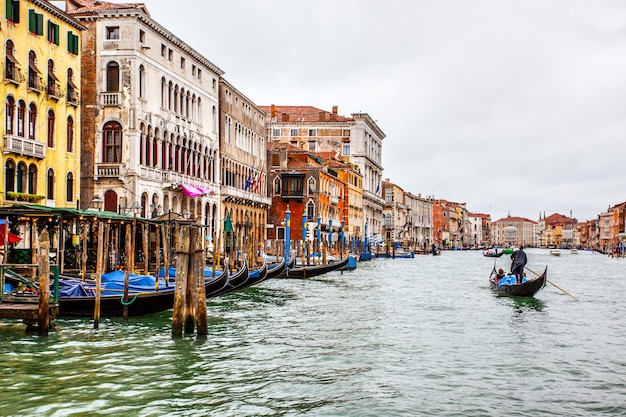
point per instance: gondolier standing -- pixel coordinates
(518, 263)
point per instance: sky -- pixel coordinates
(510, 106)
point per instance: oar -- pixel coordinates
(554, 284)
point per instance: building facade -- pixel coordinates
(41, 144)
(150, 106)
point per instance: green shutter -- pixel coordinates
(32, 20)
(56, 34)
(9, 9)
(70, 40)
(39, 18)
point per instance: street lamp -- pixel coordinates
(96, 202)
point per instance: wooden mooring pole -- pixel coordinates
(44, 284)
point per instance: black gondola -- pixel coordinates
(525, 289)
(314, 270)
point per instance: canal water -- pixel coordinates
(403, 337)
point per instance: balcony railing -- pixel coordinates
(23, 146)
(72, 97)
(111, 99)
(35, 83)
(13, 74)
(54, 90)
(107, 170)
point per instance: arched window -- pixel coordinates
(10, 115)
(32, 121)
(21, 118)
(50, 185)
(69, 187)
(142, 81)
(72, 94)
(51, 143)
(163, 92)
(311, 186)
(21, 178)
(33, 72)
(9, 169)
(10, 63)
(277, 186)
(113, 77)
(112, 142)
(70, 134)
(32, 179)
(52, 80)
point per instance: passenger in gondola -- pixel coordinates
(499, 275)
(518, 263)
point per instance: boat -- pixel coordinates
(314, 270)
(396, 254)
(275, 269)
(236, 282)
(507, 286)
(508, 251)
(555, 252)
(492, 253)
(573, 251)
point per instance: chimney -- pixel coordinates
(285, 117)
(273, 111)
(335, 109)
(322, 116)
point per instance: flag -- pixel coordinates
(13, 238)
(257, 179)
(249, 180)
(377, 189)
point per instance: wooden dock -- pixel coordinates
(29, 312)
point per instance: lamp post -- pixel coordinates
(247, 231)
(304, 225)
(96, 202)
(319, 230)
(330, 233)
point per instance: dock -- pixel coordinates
(29, 312)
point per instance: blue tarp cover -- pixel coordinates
(510, 280)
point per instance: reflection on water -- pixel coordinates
(403, 337)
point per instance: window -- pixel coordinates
(170, 54)
(277, 186)
(310, 210)
(33, 72)
(311, 186)
(10, 115)
(52, 88)
(72, 94)
(113, 32)
(9, 176)
(50, 185)
(294, 143)
(312, 144)
(72, 43)
(193, 70)
(32, 179)
(13, 11)
(21, 118)
(53, 33)
(32, 120)
(294, 132)
(113, 77)
(346, 149)
(112, 142)
(312, 132)
(275, 132)
(346, 132)
(292, 186)
(10, 71)
(275, 160)
(51, 129)
(163, 50)
(69, 187)
(70, 134)
(142, 36)
(35, 22)
(182, 62)
(142, 81)
(20, 180)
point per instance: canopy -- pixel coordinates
(13, 238)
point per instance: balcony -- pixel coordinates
(13, 75)
(23, 146)
(73, 98)
(54, 91)
(111, 99)
(35, 83)
(108, 170)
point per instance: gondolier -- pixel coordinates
(518, 263)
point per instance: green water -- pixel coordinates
(404, 337)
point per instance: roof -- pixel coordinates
(303, 114)
(91, 6)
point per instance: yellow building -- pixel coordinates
(41, 70)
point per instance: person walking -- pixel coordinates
(518, 263)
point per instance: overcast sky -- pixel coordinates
(509, 106)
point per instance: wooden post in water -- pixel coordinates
(324, 252)
(216, 255)
(191, 280)
(197, 257)
(83, 266)
(99, 268)
(126, 274)
(146, 253)
(182, 263)
(157, 230)
(44, 283)
(165, 231)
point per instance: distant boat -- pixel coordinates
(492, 253)
(574, 251)
(555, 252)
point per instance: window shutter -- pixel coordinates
(32, 20)
(56, 34)
(39, 18)
(9, 9)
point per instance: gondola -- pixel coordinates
(314, 270)
(236, 282)
(492, 254)
(274, 270)
(525, 289)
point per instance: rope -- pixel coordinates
(130, 302)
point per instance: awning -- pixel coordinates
(192, 191)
